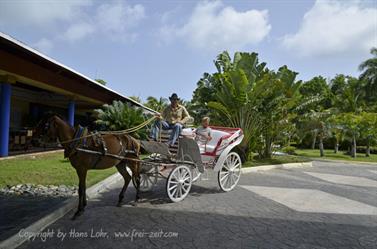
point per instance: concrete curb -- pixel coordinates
(92, 192)
(342, 161)
(276, 166)
(31, 154)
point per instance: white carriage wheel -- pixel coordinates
(179, 182)
(194, 170)
(230, 172)
(147, 180)
(195, 174)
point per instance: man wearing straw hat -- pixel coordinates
(173, 118)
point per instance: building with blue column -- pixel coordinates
(32, 84)
(71, 113)
(5, 108)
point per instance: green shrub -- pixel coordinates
(363, 149)
(120, 116)
(290, 150)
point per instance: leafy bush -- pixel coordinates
(120, 116)
(290, 150)
(362, 149)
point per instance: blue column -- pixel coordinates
(34, 111)
(6, 92)
(71, 113)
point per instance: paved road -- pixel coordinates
(329, 205)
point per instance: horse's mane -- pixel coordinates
(47, 116)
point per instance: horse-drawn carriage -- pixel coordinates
(101, 150)
(191, 160)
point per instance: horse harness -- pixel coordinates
(80, 144)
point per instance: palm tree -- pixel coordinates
(232, 94)
(369, 75)
(157, 104)
(254, 98)
(318, 121)
(351, 124)
(368, 130)
(136, 98)
(120, 116)
(337, 131)
(276, 99)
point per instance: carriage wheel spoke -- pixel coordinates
(233, 160)
(185, 187)
(174, 181)
(233, 180)
(174, 191)
(224, 176)
(172, 187)
(225, 179)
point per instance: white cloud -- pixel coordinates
(78, 31)
(43, 45)
(117, 20)
(334, 27)
(215, 26)
(39, 12)
(72, 20)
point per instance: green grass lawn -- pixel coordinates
(275, 160)
(329, 154)
(46, 169)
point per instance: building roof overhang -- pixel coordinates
(32, 67)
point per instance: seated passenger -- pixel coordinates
(173, 118)
(203, 133)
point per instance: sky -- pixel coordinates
(154, 48)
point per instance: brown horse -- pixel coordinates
(53, 128)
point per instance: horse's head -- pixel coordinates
(47, 129)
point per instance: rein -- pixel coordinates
(130, 130)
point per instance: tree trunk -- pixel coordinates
(314, 140)
(336, 147)
(367, 152)
(353, 151)
(321, 146)
(267, 148)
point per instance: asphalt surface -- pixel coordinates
(329, 205)
(22, 211)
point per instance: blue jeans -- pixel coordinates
(177, 128)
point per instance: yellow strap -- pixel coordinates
(130, 130)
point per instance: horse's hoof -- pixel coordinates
(77, 214)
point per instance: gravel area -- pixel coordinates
(39, 190)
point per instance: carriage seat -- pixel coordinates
(211, 145)
(190, 133)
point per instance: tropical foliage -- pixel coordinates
(369, 75)
(156, 104)
(244, 93)
(274, 109)
(120, 116)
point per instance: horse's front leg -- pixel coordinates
(82, 192)
(123, 171)
(137, 181)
